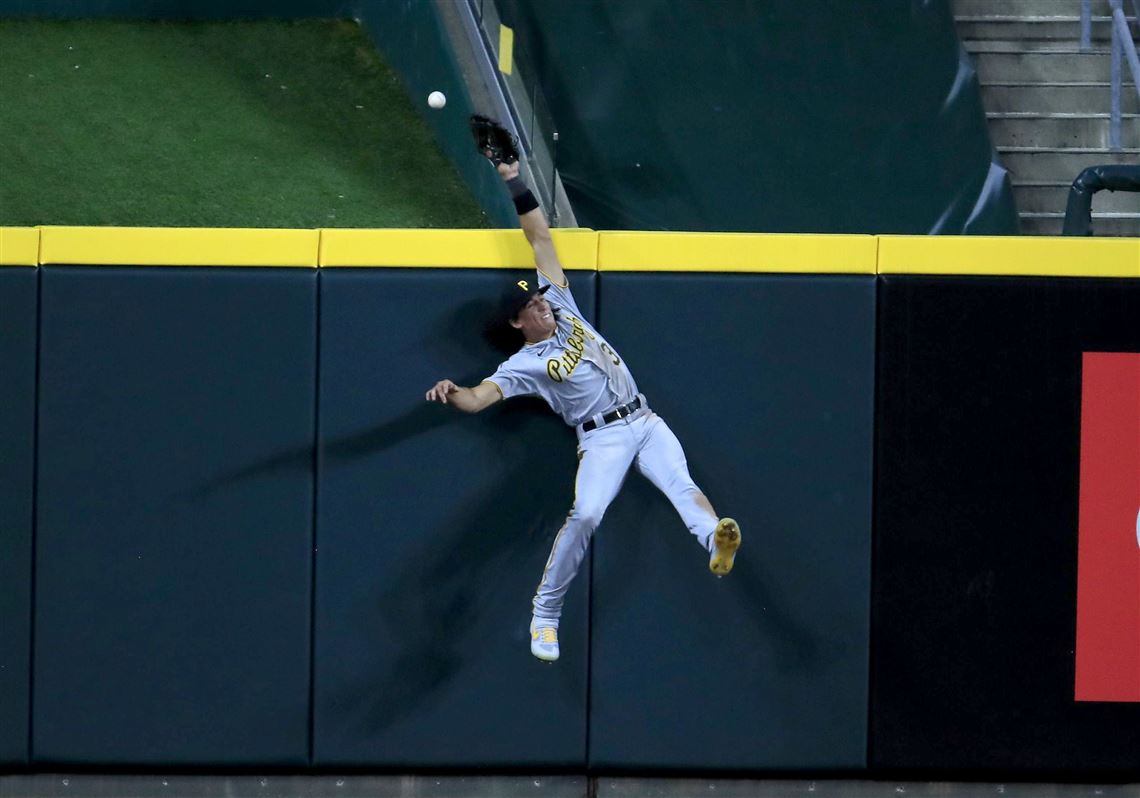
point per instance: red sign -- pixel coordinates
(1108, 565)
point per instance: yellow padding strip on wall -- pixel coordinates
(473, 249)
(19, 246)
(577, 248)
(736, 252)
(1014, 255)
(178, 246)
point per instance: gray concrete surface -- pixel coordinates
(181, 786)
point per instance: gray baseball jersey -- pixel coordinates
(575, 370)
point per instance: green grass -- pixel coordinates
(233, 124)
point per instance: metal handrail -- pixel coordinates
(1086, 21)
(1078, 210)
(1122, 46)
(517, 107)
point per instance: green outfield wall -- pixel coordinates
(412, 39)
(854, 116)
(235, 535)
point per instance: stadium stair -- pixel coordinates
(1047, 104)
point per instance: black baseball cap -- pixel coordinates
(515, 296)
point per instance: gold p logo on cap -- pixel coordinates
(522, 284)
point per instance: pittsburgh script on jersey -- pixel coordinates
(559, 368)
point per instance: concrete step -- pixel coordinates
(1008, 27)
(1080, 131)
(1054, 197)
(1059, 165)
(1065, 97)
(1035, 45)
(1027, 8)
(1048, 67)
(1051, 224)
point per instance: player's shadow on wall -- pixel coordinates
(437, 599)
(444, 589)
(453, 343)
(444, 600)
(382, 436)
(646, 521)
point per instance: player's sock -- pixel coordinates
(710, 540)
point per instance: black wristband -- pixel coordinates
(525, 202)
(521, 196)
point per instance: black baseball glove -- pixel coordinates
(493, 141)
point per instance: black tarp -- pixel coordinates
(768, 116)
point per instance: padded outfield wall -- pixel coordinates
(234, 534)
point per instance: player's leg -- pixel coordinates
(662, 460)
(604, 457)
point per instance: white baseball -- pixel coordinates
(436, 99)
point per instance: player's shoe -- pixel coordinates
(543, 640)
(725, 542)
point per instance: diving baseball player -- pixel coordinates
(568, 363)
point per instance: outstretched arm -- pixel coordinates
(469, 400)
(535, 227)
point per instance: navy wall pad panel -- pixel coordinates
(767, 380)
(17, 435)
(173, 550)
(433, 528)
(976, 525)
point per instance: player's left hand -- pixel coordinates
(439, 391)
(508, 170)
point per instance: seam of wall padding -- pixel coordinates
(579, 249)
(35, 516)
(313, 542)
(19, 246)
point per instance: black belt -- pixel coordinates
(614, 415)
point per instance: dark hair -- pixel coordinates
(504, 338)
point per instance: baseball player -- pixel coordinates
(581, 376)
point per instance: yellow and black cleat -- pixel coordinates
(726, 540)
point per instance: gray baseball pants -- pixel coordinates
(606, 453)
